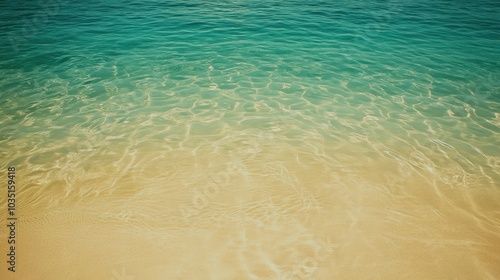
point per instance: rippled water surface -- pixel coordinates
(252, 139)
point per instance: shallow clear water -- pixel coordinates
(252, 139)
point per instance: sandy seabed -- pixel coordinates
(263, 211)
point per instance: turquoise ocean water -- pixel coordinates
(353, 105)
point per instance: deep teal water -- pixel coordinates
(72, 64)
(378, 70)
